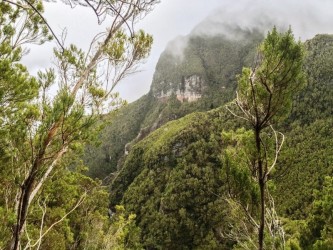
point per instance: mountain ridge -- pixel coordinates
(199, 78)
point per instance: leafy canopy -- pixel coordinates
(265, 91)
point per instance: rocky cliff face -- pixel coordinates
(189, 89)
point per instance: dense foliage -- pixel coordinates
(184, 184)
(307, 161)
(121, 127)
(45, 121)
(164, 179)
(173, 180)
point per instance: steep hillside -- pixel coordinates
(176, 180)
(103, 158)
(199, 77)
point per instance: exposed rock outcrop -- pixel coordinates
(189, 89)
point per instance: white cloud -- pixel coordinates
(307, 18)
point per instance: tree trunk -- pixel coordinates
(262, 213)
(26, 190)
(261, 182)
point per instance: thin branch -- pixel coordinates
(241, 117)
(246, 211)
(28, 238)
(79, 202)
(47, 24)
(273, 222)
(278, 147)
(235, 114)
(265, 155)
(247, 113)
(254, 97)
(233, 201)
(47, 173)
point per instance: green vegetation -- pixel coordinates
(182, 175)
(264, 97)
(188, 183)
(44, 193)
(216, 59)
(172, 179)
(121, 127)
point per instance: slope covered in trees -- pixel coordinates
(178, 181)
(214, 59)
(173, 180)
(307, 160)
(185, 184)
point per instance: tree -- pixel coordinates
(39, 130)
(263, 98)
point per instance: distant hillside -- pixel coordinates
(194, 73)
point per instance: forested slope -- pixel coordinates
(306, 164)
(178, 182)
(174, 182)
(309, 127)
(215, 60)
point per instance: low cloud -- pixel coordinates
(235, 19)
(176, 46)
(306, 18)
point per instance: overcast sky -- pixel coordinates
(172, 18)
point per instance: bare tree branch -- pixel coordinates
(278, 147)
(78, 203)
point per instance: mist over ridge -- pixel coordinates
(235, 20)
(306, 18)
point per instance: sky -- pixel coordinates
(172, 18)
